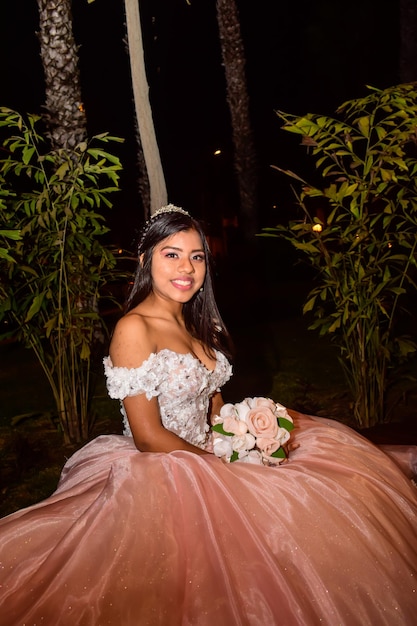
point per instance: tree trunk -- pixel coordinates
(408, 41)
(237, 97)
(148, 142)
(65, 117)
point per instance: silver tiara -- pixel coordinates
(169, 208)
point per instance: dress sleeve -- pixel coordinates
(123, 382)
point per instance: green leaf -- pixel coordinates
(308, 247)
(62, 171)
(285, 423)
(364, 125)
(28, 152)
(15, 235)
(309, 305)
(85, 351)
(218, 428)
(6, 256)
(106, 156)
(369, 162)
(35, 306)
(50, 325)
(333, 327)
(279, 454)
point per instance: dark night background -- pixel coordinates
(302, 56)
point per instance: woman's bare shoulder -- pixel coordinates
(132, 322)
(132, 341)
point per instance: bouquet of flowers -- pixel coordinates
(252, 431)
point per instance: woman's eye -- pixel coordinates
(196, 257)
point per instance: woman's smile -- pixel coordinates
(183, 283)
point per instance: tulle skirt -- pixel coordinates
(131, 538)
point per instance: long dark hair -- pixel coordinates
(201, 315)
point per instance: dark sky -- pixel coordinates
(301, 56)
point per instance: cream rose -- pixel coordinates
(262, 421)
(268, 445)
(235, 426)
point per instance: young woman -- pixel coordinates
(152, 528)
(172, 317)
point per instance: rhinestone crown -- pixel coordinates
(169, 208)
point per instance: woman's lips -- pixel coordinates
(183, 283)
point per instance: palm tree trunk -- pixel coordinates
(65, 117)
(237, 97)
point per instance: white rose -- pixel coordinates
(227, 410)
(283, 436)
(242, 409)
(266, 402)
(253, 456)
(250, 402)
(222, 447)
(240, 443)
(281, 411)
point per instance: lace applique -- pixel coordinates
(182, 384)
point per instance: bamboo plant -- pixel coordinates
(53, 270)
(357, 227)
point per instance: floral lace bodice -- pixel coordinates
(182, 385)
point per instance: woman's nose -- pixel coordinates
(185, 265)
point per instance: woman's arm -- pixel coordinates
(148, 432)
(216, 404)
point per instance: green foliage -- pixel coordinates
(53, 263)
(8, 234)
(358, 230)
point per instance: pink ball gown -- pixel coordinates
(135, 539)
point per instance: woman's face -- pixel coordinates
(178, 266)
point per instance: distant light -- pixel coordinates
(217, 152)
(389, 244)
(317, 228)
(120, 251)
